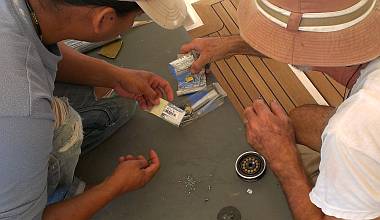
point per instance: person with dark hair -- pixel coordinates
(49, 108)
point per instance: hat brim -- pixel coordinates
(355, 45)
(169, 14)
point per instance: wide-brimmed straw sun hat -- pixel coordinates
(312, 32)
(169, 14)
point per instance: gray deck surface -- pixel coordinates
(205, 150)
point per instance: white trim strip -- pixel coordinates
(340, 26)
(274, 7)
(193, 20)
(326, 15)
(309, 86)
(270, 17)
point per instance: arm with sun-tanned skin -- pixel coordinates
(143, 86)
(269, 130)
(215, 48)
(131, 174)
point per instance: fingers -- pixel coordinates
(154, 165)
(278, 110)
(159, 92)
(121, 159)
(142, 102)
(164, 85)
(128, 157)
(141, 164)
(260, 107)
(198, 45)
(249, 114)
(186, 48)
(150, 93)
(141, 157)
(145, 163)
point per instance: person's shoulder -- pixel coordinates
(356, 122)
(14, 84)
(370, 79)
(373, 67)
(14, 75)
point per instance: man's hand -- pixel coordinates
(209, 48)
(145, 87)
(133, 173)
(216, 48)
(270, 132)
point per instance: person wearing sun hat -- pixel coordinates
(333, 170)
(49, 110)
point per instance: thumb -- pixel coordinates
(199, 64)
(186, 48)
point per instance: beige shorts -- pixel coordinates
(310, 159)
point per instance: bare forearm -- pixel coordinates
(81, 69)
(237, 46)
(296, 187)
(309, 121)
(83, 206)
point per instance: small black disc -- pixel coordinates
(229, 213)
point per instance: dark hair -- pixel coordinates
(121, 7)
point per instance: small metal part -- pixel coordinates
(188, 110)
(195, 54)
(141, 23)
(206, 199)
(250, 165)
(209, 188)
(229, 213)
(189, 183)
(249, 191)
(189, 79)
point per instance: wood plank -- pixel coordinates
(289, 82)
(272, 83)
(255, 78)
(234, 83)
(232, 28)
(210, 19)
(242, 77)
(326, 89)
(339, 87)
(231, 10)
(235, 3)
(230, 93)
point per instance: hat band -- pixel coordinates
(317, 22)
